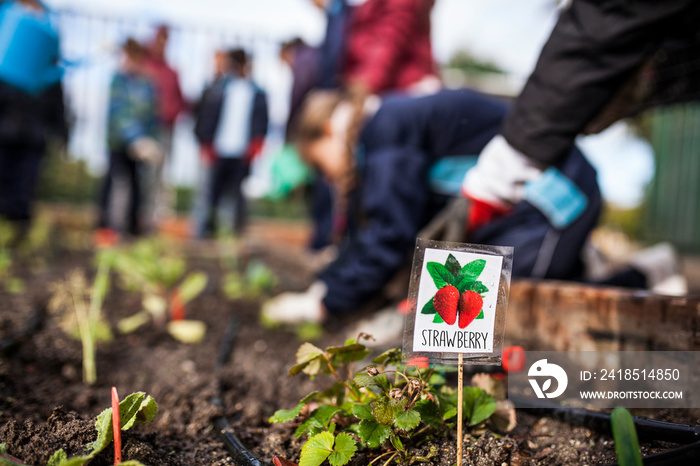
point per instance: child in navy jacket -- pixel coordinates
(389, 196)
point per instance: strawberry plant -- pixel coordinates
(137, 408)
(384, 406)
(460, 295)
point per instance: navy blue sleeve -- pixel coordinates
(394, 197)
(259, 121)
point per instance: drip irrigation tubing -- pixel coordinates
(241, 455)
(647, 429)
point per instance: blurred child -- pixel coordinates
(231, 129)
(131, 135)
(171, 104)
(380, 164)
(28, 122)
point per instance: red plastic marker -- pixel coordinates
(116, 427)
(513, 359)
(177, 307)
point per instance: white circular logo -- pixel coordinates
(543, 369)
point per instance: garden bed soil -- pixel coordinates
(45, 406)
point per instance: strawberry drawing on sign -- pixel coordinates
(460, 295)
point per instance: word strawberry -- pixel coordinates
(445, 302)
(470, 304)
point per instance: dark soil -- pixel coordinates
(45, 406)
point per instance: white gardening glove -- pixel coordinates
(295, 308)
(500, 174)
(146, 149)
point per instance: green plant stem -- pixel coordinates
(82, 315)
(355, 394)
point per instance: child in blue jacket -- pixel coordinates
(389, 197)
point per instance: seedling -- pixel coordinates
(82, 310)
(151, 268)
(625, 436)
(383, 406)
(137, 408)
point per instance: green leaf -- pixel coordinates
(472, 270)
(57, 458)
(317, 449)
(396, 442)
(407, 420)
(452, 264)
(478, 405)
(192, 286)
(309, 360)
(429, 413)
(309, 397)
(384, 410)
(348, 353)
(481, 315)
(625, 436)
(310, 427)
(429, 307)
(132, 323)
(352, 348)
(362, 411)
(363, 379)
(388, 357)
(343, 450)
(437, 319)
(373, 433)
(383, 382)
(324, 413)
(441, 276)
(448, 405)
(77, 460)
(284, 415)
(318, 421)
(146, 411)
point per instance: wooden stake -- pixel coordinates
(460, 397)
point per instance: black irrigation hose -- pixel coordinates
(241, 455)
(647, 429)
(688, 454)
(35, 322)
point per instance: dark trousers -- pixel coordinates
(227, 174)
(121, 165)
(19, 171)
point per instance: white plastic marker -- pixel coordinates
(458, 296)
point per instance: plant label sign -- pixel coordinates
(458, 298)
